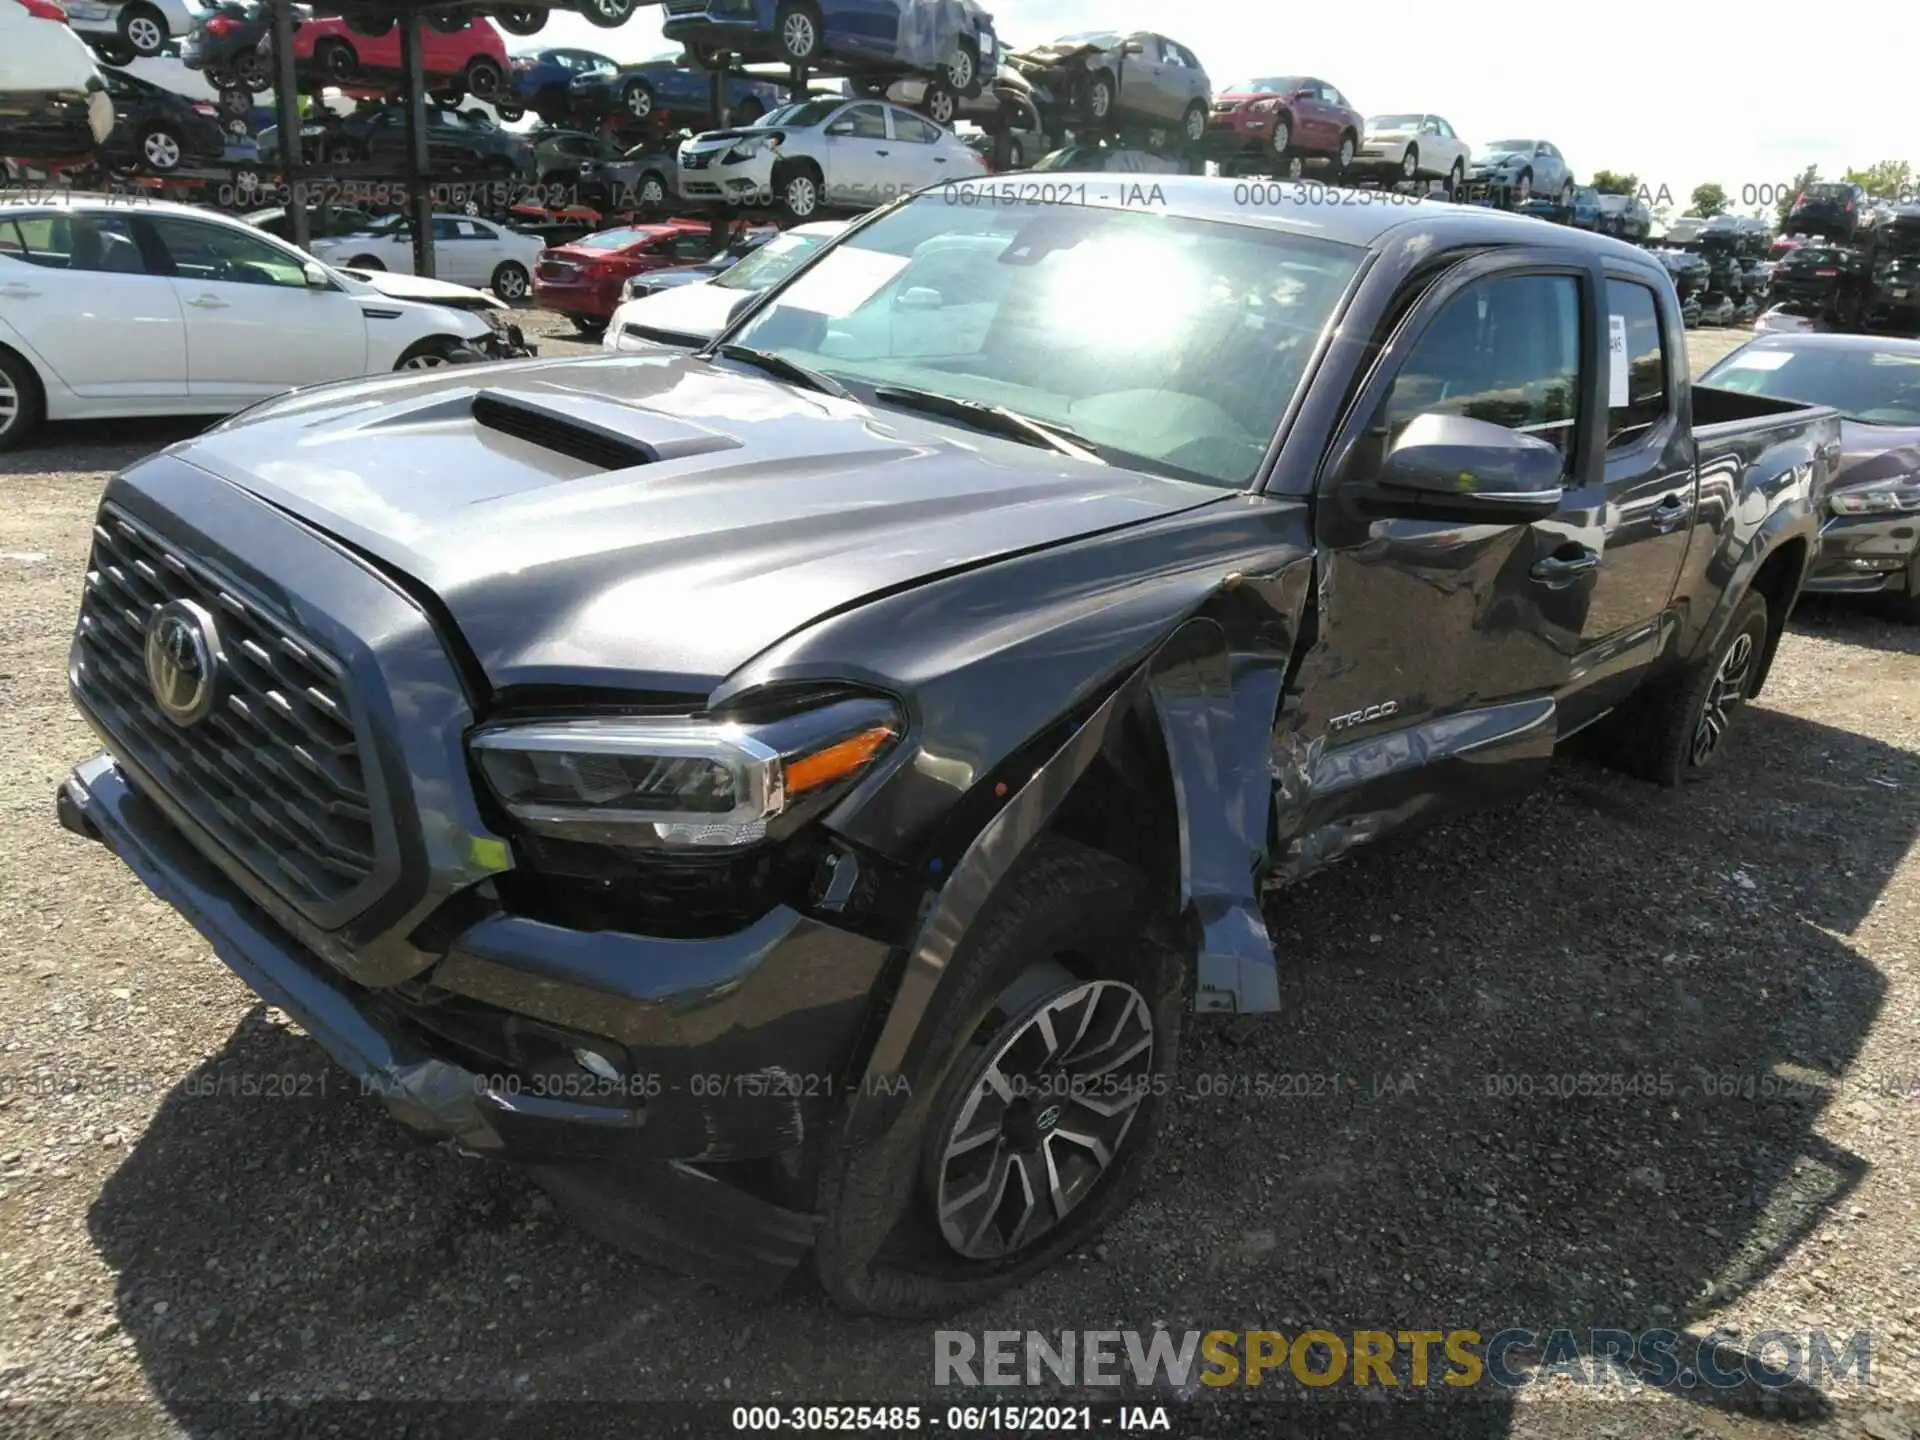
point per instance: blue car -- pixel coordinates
(928, 36)
(666, 88)
(540, 82)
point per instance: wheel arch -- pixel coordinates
(36, 369)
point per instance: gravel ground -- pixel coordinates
(163, 1248)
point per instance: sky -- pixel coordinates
(1679, 92)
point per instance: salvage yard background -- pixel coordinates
(163, 1244)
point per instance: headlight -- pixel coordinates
(1883, 497)
(1264, 105)
(673, 782)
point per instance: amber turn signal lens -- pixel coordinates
(837, 761)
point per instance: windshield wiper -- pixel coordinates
(996, 418)
(786, 369)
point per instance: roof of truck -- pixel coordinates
(1300, 207)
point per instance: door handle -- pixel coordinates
(207, 302)
(883, 152)
(17, 290)
(1561, 569)
(1670, 512)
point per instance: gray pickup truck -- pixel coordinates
(787, 793)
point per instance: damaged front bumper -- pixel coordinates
(1866, 554)
(709, 1069)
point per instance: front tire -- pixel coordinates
(160, 150)
(637, 100)
(20, 403)
(521, 23)
(1282, 138)
(510, 281)
(1905, 606)
(1456, 179)
(1343, 158)
(1672, 734)
(438, 351)
(484, 78)
(337, 60)
(799, 193)
(1410, 163)
(1100, 95)
(607, 14)
(1054, 1056)
(1193, 126)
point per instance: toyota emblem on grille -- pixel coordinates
(182, 649)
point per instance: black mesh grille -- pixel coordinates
(273, 772)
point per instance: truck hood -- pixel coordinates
(757, 508)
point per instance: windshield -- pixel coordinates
(1828, 192)
(1504, 147)
(1871, 384)
(1271, 85)
(804, 112)
(1395, 122)
(1025, 309)
(770, 263)
(1105, 39)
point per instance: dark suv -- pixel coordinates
(1835, 209)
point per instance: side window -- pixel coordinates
(200, 251)
(1637, 361)
(1505, 350)
(78, 242)
(445, 227)
(1170, 53)
(691, 249)
(908, 126)
(867, 120)
(477, 230)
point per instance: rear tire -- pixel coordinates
(590, 326)
(1193, 128)
(1100, 95)
(796, 29)
(521, 22)
(337, 60)
(1070, 933)
(1673, 733)
(143, 28)
(21, 406)
(161, 151)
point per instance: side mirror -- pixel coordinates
(1133, 47)
(316, 276)
(1450, 467)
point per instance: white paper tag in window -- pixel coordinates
(1619, 390)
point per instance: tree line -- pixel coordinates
(1890, 180)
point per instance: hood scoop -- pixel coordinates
(594, 431)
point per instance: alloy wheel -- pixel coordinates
(162, 150)
(960, 69)
(510, 282)
(425, 361)
(145, 35)
(9, 403)
(802, 196)
(1728, 690)
(1346, 155)
(1100, 99)
(1043, 1117)
(797, 34)
(639, 102)
(652, 192)
(940, 106)
(1282, 136)
(1410, 164)
(1196, 126)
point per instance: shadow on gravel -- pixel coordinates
(1855, 621)
(98, 444)
(1554, 1067)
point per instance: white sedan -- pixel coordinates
(121, 31)
(825, 153)
(1414, 147)
(53, 99)
(110, 309)
(692, 315)
(465, 250)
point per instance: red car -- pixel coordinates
(1281, 117)
(472, 58)
(581, 279)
